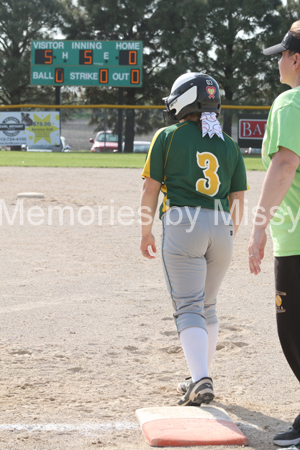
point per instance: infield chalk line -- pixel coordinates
(67, 427)
(26, 306)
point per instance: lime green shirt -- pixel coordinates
(283, 129)
(195, 170)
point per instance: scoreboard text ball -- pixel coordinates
(87, 63)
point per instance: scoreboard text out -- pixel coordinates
(87, 63)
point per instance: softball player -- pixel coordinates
(200, 171)
(281, 189)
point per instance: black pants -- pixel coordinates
(287, 283)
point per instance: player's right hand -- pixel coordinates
(148, 242)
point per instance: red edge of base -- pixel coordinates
(188, 432)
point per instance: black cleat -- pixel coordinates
(197, 393)
(183, 385)
(288, 437)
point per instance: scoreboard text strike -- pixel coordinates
(87, 63)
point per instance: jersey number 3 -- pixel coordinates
(211, 183)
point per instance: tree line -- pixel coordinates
(223, 38)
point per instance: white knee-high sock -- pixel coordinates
(212, 331)
(194, 341)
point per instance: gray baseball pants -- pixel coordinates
(197, 246)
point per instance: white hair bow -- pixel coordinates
(211, 125)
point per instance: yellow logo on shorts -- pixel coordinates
(278, 302)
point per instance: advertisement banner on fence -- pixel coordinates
(251, 130)
(18, 128)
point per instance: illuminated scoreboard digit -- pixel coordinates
(59, 76)
(135, 76)
(103, 76)
(43, 56)
(87, 63)
(127, 57)
(85, 56)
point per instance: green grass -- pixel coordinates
(32, 159)
(77, 159)
(254, 163)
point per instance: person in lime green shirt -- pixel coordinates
(279, 205)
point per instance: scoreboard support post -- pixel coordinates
(120, 120)
(57, 96)
(57, 102)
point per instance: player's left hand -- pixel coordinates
(146, 242)
(256, 249)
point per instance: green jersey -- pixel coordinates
(195, 170)
(283, 129)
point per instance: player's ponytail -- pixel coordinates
(194, 116)
(199, 123)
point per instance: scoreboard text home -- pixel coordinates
(87, 63)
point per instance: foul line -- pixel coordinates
(67, 427)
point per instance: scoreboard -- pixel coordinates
(87, 63)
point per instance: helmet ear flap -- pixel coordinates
(169, 115)
(169, 118)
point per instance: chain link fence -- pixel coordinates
(81, 123)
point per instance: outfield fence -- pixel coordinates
(79, 123)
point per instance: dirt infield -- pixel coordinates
(87, 334)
